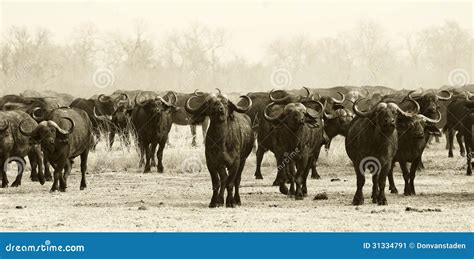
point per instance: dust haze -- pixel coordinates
(85, 48)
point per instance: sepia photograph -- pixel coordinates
(264, 119)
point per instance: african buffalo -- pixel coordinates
(61, 145)
(297, 137)
(229, 141)
(151, 119)
(372, 143)
(181, 117)
(14, 146)
(466, 129)
(100, 111)
(261, 127)
(411, 144)
(456, 111)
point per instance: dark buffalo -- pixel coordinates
(466, 129)
(412, 132)
(61, 143)
(297, 137)
(28, 104)
(372, 143)
(14, 147)
(151, 119)
(35, 106)
(183, 118)
(100, 111)
(456, 111)
(229, 141)
(336, 117)
(62, 99)
(261, 127)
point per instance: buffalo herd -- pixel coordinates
(381, 126)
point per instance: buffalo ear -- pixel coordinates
(232, 107)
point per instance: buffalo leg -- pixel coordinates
(314, 164)
(58, 171)
(159, 156)
(260, 152)
(406, 177)
(63, 179)
(223, 177)
(301, 166)
(237, 183)
(291, 174)
(304, 189)
(450, 140)
(459, 138)
(19, 175)
(281, 175)
(153, 152)
(215, 186)
(34, 163)
(4, 173)
(84, 157)
(412, 176)
(359, 195)
(233, 171)
(148, 155)
(382, 179)
(467, 141)
(193, 135)
(391, 182)
(375, 188)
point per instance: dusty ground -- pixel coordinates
(120, 198)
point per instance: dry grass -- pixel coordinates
(177, 200)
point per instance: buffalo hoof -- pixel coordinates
(34, 178)
(315, 176)
(53, 190)
(358, 200)
(160, 169)
(82, 187)
(258, 176)
(62, 189)
(237, 200)
(147, 170)
(393, 190)
(284, 189)
(15, 184)
(4, 184)
(407, 192)
(299, 197)
(276, 182)
(213, 205)
(382, 201)
(230, 205)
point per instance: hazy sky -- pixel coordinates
(251, 24)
